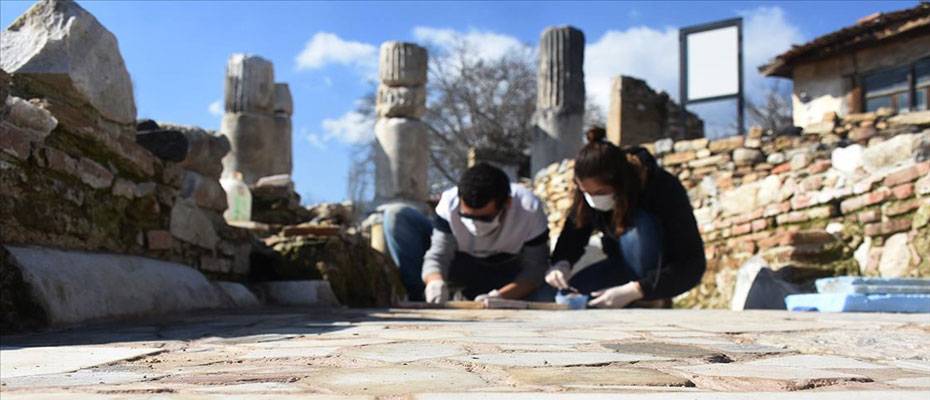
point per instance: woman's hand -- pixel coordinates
(617, 296)
(558, 275)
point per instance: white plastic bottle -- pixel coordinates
(238, 198)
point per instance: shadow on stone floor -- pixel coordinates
(256, 325)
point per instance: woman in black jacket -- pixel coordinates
(654, 250)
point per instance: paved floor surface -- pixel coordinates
(478, 354)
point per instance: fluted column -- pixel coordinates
(561, 95)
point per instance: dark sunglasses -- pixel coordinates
(481, 218)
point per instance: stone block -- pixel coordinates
(402, 64)
(205, 192)
(15, 141)
(281, 141)
(31, 117)
(677, 158)
(918, 118)
(896, 257)
(251, 152)
(250, 84)
(663, 146)
(98, 285)
(889, 153)
(65, 47)
(239, 295)
(283, 102)
(725, 145)
(401, 101)
(190, 224)
(744, 156)
(205, 149)
(168, 145)
(315, 293)
(93, 174)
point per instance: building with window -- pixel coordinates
(881, 61)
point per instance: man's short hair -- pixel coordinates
(483, 183)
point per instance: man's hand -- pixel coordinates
(492, 294)
(559, 274)
(617, 296)
(436, 291)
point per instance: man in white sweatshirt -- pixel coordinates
(489, 238)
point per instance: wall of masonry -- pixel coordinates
(845, 196)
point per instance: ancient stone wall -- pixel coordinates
(75, 188)
(639, 115)
(76, 172)
(847, 196)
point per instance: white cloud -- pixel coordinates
(484, 45)
(326, 48)
(216, 108)
(352, 127)
(652, 54)
(314, 139)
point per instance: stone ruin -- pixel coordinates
(639, 115)
(132, 208)
(559, 115)
(401, 139)
(852, 197)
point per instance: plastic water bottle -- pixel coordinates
(238, 198)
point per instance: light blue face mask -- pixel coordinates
(481, 228)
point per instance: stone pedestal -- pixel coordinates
(250, 152)
(402, 141)
(561, 96)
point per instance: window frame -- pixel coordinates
(911, 90)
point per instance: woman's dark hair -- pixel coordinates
(608, 164)
(483, 183)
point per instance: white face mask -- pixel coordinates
(600, 202)
(481, 228)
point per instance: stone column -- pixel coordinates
(249, 119)
(560, 103)
(402, 141)
(281, 140)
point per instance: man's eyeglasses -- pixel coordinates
(481, 218)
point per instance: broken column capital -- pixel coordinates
(249, 84)
(402, 64)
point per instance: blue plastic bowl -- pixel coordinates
(575, 301)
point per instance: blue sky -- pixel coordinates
(176, 52)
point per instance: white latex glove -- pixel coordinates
(437, 292)
(617, 296)
(557, 276)
(482, 297)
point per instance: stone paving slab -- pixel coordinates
(478, 354)
(19, 362)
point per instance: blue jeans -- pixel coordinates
(640, 250)
(407, 233)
